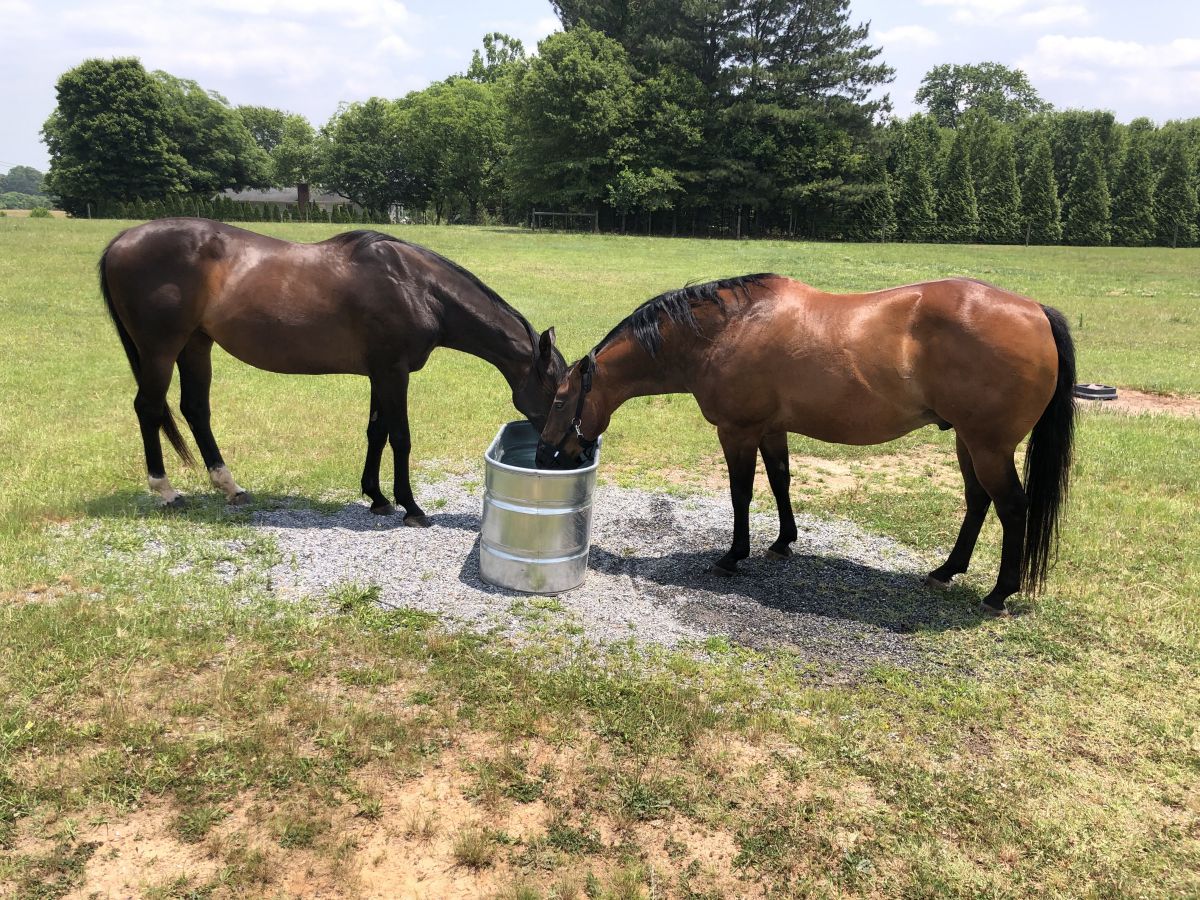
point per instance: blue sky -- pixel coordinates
(308, 55)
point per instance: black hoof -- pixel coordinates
(778, 552)
(718, 569)
(417, 520)
(936, 583)
(994, 612)
(383, 509)
(241, 498)
(178, 503)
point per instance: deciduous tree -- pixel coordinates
(111, 136)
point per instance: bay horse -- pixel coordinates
(359, 303)
(765, 355)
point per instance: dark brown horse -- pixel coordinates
(765, 355)
(361, 303)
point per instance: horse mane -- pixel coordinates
(678, 306)
(361, 240)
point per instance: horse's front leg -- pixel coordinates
(741, 453)
(377, 438)
(774, 450)
(392, 393)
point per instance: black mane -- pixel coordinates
(362, 240)
(645, 322)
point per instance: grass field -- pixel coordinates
(254, 748)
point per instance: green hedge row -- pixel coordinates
(224, 209)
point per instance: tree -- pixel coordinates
(1040, 209)
(1133, 221)
(363, 156)
(915, 194)
(110, 136)
(294, 160)
(220, 151)
(994, 164)
(22, 180)
(949, 91)
(265, 124)
(500, 53)
(1175, 200)
(569, 109)
(455, 141)
(957, 208)
(1089, 209)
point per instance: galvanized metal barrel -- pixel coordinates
(537, 524)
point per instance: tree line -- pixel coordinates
(710, 117)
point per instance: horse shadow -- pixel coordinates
(801, 587)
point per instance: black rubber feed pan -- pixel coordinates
(1095, 392)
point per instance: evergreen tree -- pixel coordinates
(957, 209)
(570, 111)
(1040, 209)
(1175, 199)
(1133, 220)
(915, 197)
(994, 161)
(1089, 208)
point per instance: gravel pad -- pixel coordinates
(846, 600)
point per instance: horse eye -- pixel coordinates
(558, 404)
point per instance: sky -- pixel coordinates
(307, 56)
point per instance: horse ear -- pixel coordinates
(587, 364)
(546, 344)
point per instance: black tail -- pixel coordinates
(1048, 462)
(168, 421)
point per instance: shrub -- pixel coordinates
(39, 212)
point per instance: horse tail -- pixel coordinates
(1048, 462)
(167, 423)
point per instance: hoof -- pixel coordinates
(178, 503)
(772, 553)
(718, 569)
(986, 609)
(241, 498)
(417, 520)
(383, 509)
(936, 583)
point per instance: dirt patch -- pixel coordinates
(1140, 403)
(136, 853)
(411, 846)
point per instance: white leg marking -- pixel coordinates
(162, 487)
(222, 480)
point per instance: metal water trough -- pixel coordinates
(537, 524)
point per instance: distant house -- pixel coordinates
(288, 195)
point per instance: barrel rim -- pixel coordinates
(490, 460)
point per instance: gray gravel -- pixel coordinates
(847, 599)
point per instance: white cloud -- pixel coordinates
(1026, 13)
(1165, 76)
(1056, 14)
(912, 36)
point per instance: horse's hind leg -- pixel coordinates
(978, 502)
(741, 454)
(377, 438)
(195, 382)
(997, 474)
(774, 450)
(150, 404)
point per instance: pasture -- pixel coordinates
(172, 725)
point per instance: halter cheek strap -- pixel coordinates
(585, 388)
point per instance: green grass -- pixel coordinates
(1056, 753)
